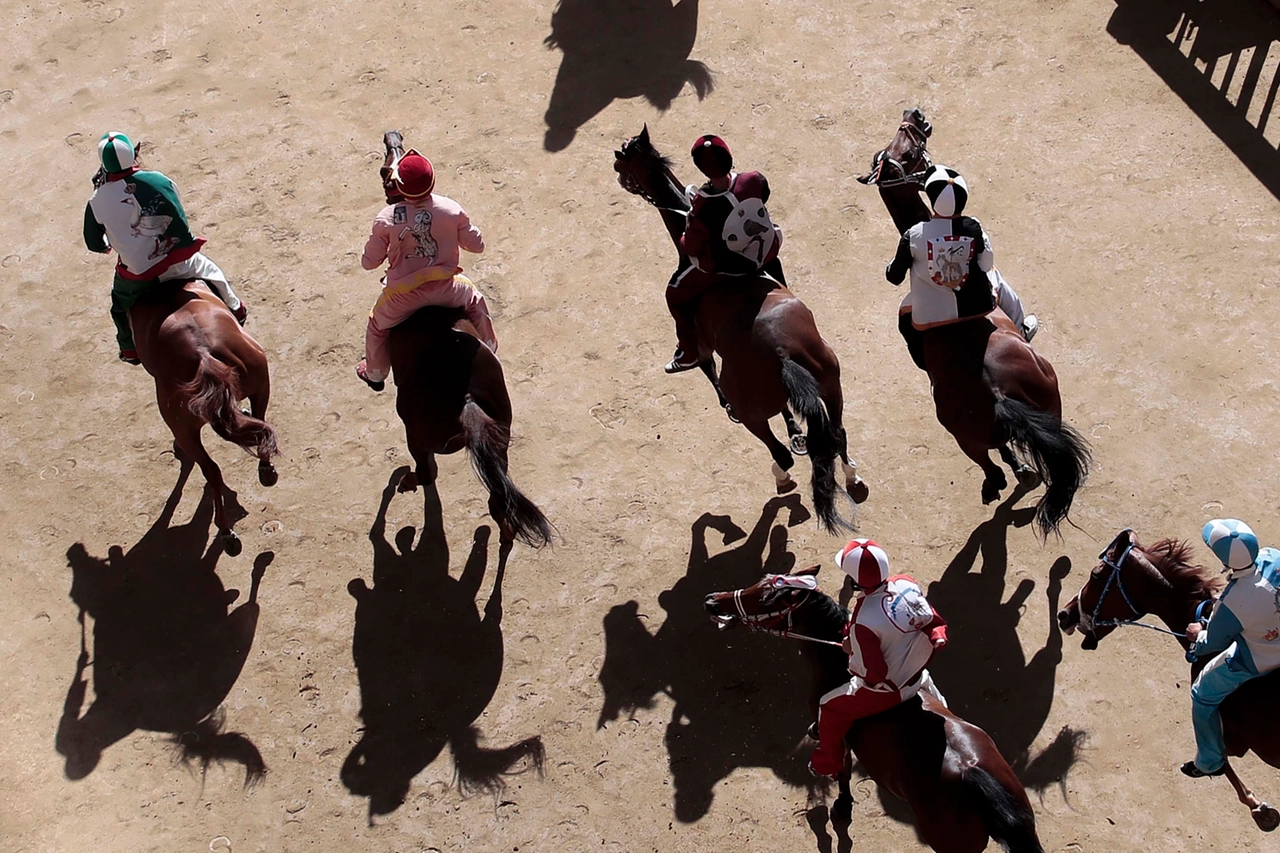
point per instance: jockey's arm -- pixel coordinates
(987, 256)
(764, 189)
(898, 268)
(876, 668)
(695, 243)
(469, 236)
(95, 236)
(1224, 629)
(375, 248)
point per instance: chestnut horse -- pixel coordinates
(991, 389)
(451, 394)
(948, 770)
(1131, 581)
(204, 363)
(772, 355)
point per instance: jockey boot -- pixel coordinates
(812, 732)
(241, 313)
(681, 362)
(1030, 325)
(1190, 769)
(130, 356)
(914, 338)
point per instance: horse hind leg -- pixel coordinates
(833, 399)
(1266, 817)
(186, 435)
(267, 474)
(782, 458)
(1025, 474)
(995, 481)
(708, 368)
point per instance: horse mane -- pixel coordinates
(1172, 557)
(831, 616)
(646, 147)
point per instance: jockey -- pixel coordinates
(953, 275)
(419, 236)
(892, 634)
(138, 214)
(1242, 636)
(728, 234)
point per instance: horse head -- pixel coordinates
(766, 605)
(1131, 581)
(906, 159)
(643, 171)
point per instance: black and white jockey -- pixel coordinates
(952, 264)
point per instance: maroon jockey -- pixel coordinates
(891, 637)
(728, 235)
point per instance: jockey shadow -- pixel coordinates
(619, 49)
(739, 697)
(166, 651)
(1219, 34)
(984, 672)
(428, 663)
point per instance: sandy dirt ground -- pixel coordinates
(1142, 233)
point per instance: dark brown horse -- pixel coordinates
(772, 355)
(949, 771)
(451, 394)
(204, 364)
(991, 390)
(1131, 581)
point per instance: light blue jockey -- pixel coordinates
(1243, 634)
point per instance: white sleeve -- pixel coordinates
(987, 257)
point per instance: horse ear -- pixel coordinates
(644, 132)
(810, 571)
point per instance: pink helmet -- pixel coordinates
(865, 562)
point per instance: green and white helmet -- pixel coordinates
(115, 150)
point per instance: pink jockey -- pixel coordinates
(892, 634)
(420, 237)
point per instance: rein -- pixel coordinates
(1093, 622)
(918, 137)
(754, 622)
(633, 186)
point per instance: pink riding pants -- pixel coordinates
(394, 307)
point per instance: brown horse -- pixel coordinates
(772, 355)
(204, 364)
(991, 390)
(451, 394)
(948, 770)
(1131, 581)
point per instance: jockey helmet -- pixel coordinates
(116, 152)
(414, 175)
(1233, 542)
(947, 192)
(712, 156)
(865, 562)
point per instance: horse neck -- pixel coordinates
(1174, 607)
(905, 206)
(671, 203)
(817, 618)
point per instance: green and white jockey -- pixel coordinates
(138, 213)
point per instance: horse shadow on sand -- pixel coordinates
(620, 49)
(166, 650)
(428, 663)
(740, 698)
(984, 672)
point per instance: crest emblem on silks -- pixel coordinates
(748, 230)
(949, 260)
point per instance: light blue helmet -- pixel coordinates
(1232, 541)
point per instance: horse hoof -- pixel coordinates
(799, 444)
(991, 492)
(858, 490)
(231, 543)
(728, 410)
(788, 486)
(408, 483)
(842, 809)
(1029, 479)
(267, 474)
(1266, 818)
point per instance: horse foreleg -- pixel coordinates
(782, 458)
(995, 481)
(842, 808)
(1026, 475)
(425, 469)
(1264, 815)
(708, 368)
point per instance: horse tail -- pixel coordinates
(1007, 817)
(486, 440)
(1058, 453)
(806, 401)
(208, 743)
(213, 397)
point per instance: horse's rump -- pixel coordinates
(1249, 712)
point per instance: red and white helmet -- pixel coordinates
(865, 562)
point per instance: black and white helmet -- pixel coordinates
(947, 191)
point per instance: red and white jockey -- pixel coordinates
(891, 636)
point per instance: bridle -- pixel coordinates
(764, 622)
(632, 185)
(1090, 623)
(921, 157)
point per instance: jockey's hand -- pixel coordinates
(887, 275)
(1193, 631)
(847, 644)
(939, 642)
